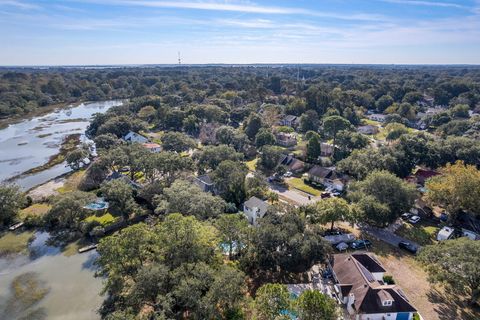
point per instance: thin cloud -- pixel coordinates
(427, 3)
(19, 4)
(241, 7)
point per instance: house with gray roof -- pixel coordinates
(360, 287)
(254, 208)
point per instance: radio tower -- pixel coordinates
(179, 58)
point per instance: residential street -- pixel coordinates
(385, 235)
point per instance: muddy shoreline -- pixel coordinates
(69, 144)
(40, 111)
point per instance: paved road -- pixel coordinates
(385, 235)
(292, 195)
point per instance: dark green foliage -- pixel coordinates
(12, 200)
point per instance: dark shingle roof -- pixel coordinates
(320, 172)
(355, 277)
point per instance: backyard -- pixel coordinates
(423, 233)
(299, 184)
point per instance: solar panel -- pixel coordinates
(366, 273)
(401, 294)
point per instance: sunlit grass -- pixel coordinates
(104, 219)
(252, 164)
(299, 184)
(36, 209)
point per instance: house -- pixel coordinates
(254, 209)
(377, 117)
(117, 175)
(134, 137)
(286, 139)
(326, 149)
(426, 101)
(421, 175)
(359, 285)
(293, 164)
(368, 129)
(327, 177)
(289, 121)
(205, 183)
(152, 147)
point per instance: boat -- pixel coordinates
(87, 248)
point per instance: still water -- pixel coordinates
(30, 143)
(70, 289)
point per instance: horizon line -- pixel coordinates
(132, 65)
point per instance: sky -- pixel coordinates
(100, 32)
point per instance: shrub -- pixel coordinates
(388, 279)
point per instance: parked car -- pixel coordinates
(406, 216)
(325, 195)
(414, 219)
(407, 246)
(334, 232)
(342, 246)
(287, 174)
(360, 244)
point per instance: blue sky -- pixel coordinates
(50, 32)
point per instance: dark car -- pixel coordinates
(334, 232)
(407, 246)
(360, 244)
(325, 195)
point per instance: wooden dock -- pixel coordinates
(87, 248)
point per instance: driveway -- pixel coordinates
(294, 196)
(385, 235)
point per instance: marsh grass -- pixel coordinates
(11, 243)
(25, 291)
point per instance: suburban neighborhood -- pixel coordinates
(299, 202)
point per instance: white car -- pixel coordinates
(342, 246)
(287, 174)
(414, 219)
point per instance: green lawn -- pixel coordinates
(14, 242)
(252, 164)
(105, 219)
(421, 233)
(72, 182)
(37, 209)
(298, 183)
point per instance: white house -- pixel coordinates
(152, 147)
(286, 139)
(368, 129)
(377, 117)
(134, 137)
(254, 209)
(360, 287)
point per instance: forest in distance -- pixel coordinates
(23, 90)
